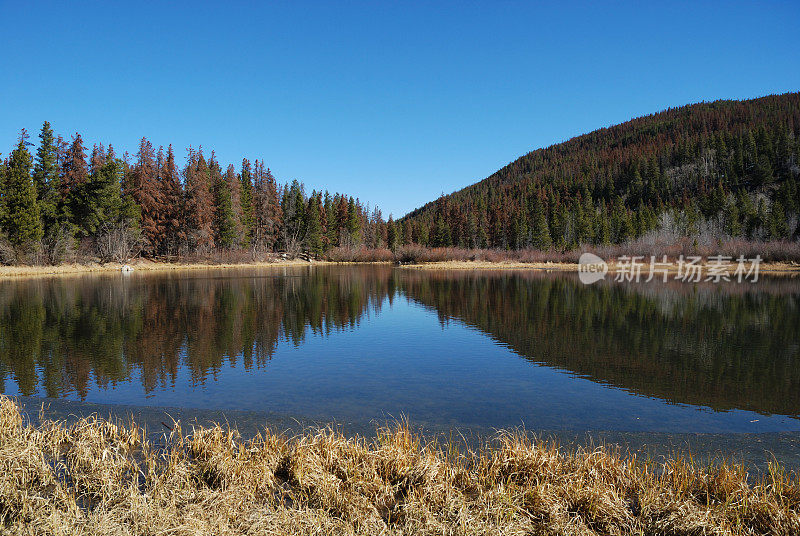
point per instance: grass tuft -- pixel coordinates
(102, 477)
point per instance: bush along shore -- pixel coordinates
(775, 257)
(102, 477)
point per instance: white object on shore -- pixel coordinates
(127, 268)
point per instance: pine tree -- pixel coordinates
(267, 215)
(341, 221)
(353, 223)
(392, 239)
(145, 192)
(733, 224)
(234, 186)
(313, 224)
(199, 202)
(246, 178)
(324, 208)
(604, 228)
(98, 159)
(223, 221)
(107, 206)
(3, 173)
(46, 178)
(541, 230)
(407, 234)
(778, 223)
(173, 209)
(22, 222)
(74, 174)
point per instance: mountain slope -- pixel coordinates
(709, 170)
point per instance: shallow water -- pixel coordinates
(359, 344)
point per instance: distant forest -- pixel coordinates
(59, 203)
(709, 171)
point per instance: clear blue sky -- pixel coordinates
(392, 102)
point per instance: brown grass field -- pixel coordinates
(98, 477)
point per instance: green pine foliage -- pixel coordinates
(116, 208)
(21, 223)
(225, 232)
(722, 169)
(313, 225)
(246, 178)
(46, 178)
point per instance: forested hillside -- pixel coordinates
(710, 171)
(59, 205)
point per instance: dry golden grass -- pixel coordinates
(98, 477)
(773, 268)
(141, 265)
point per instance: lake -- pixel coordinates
(460, 349)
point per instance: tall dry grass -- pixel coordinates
(97, 477)
(771, 251)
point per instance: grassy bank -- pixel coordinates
(407, 257)
(143, 265)
(99, 477)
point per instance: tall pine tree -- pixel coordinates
(22, 220)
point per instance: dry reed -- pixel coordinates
(99, 477)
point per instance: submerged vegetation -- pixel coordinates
(101, 477)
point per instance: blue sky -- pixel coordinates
(395, 102)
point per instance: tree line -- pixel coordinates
(60, 201)
(710, 171)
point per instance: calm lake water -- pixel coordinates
(449, 349)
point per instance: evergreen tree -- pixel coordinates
(173, 206)
(46, 178)
(199, 202)
(341, 221)
(3, 173)
(778, 223)
(294, 218)
(267, 214)
(407, 233)
(146, 192)
(324, 208)
(224, 226)
(353, 223)
(234, 186)
(106, 206)
(22, 220)
(74, 173)
(392, 239)
(541, 230)
(604, 229)
(247, 202)
(313, 224)
(733, 224)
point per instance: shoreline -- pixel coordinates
(754, 450)
(773, 268)
(144, 265)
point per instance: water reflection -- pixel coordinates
(721, 346)
(726, 346)
(74, 330)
